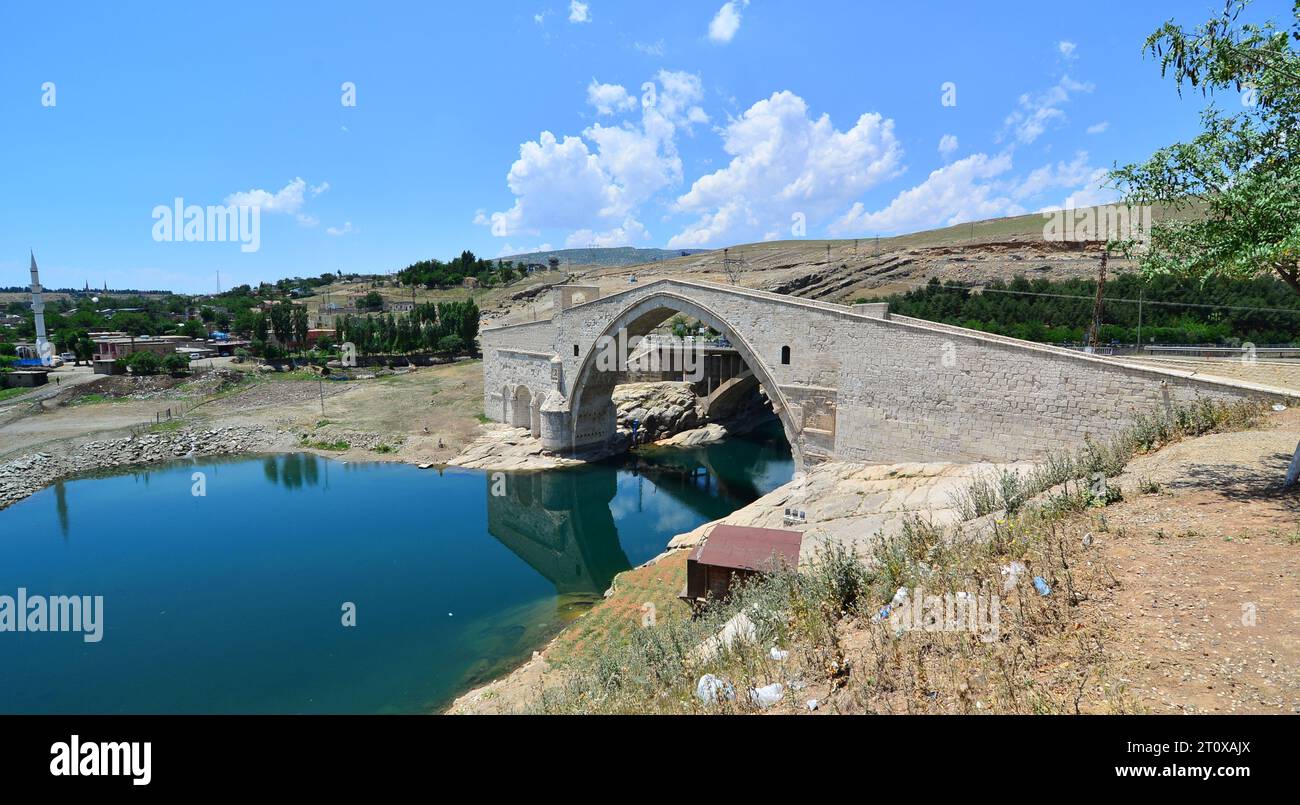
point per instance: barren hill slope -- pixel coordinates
(845, 270)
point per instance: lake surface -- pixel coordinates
(233, 602)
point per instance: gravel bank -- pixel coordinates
(28, 474)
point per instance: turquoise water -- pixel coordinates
(232, 602)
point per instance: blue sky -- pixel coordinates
(503, 127)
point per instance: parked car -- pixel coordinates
(68, 357)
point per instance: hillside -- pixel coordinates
(614, 256)
(843, 270)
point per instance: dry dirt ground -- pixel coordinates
(425, 415)
(1208, 602)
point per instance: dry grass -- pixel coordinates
(852, 657)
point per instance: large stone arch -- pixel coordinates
(591, 409)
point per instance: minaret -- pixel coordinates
(38, 307)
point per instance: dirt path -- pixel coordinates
(1208, 603)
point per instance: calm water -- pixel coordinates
(232, 602)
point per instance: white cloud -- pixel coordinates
(650, 48)
(1067, 49)
(1036, 112)
(555, 183)
(783, 163)
(593, 185)
(726, 22)
(629, 233)
(287, 200)
(336, 231)
(947, 145)
(676, 97)
(1062, 174)
(1098, 128)
(609, 98)
(508, 251)
(956, 193)
(578, 12)
(1089, 188)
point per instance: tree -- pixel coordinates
(300, 324)
(1239, 179)
(260, 327)
(84, 348)
(133, 324)
(450, 344)
(193, 328)
(175, 363)
(144, 363)
(282, 322)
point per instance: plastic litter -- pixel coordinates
(1010, 573)
(899, 597)
(710, 689)
(1279, 407)
(778, 655)
(884, 613)
(1041, 585)
(812, 704)
(768, 695)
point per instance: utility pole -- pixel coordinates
(1095, 336)
(1141, 292)
(733, 266)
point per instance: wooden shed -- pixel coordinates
(732, 552)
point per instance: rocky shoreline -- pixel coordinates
(25, 476)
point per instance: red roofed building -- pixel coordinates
(731, 552)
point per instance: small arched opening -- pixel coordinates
(520, 410)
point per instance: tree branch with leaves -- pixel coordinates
(1234, 189)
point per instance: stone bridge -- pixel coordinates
(848, 382)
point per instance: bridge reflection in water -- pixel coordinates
(562, 523)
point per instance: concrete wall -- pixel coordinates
(859, 384)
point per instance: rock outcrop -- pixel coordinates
(659, 410)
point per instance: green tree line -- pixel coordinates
(1261, 310)
(445, 327)
(437, 274)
